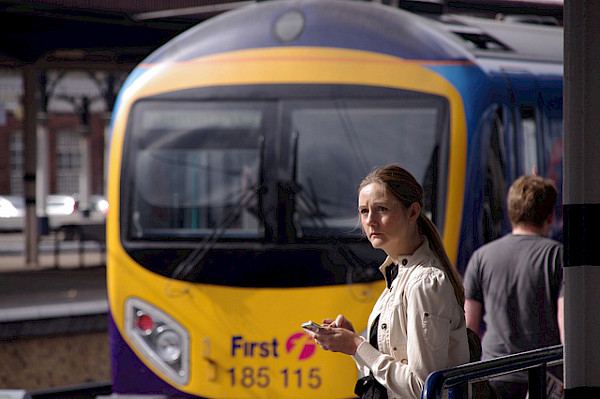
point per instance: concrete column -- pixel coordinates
(85, 176)
(43, 166)
(581, 198)
(30, 152)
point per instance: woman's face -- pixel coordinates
(387, 224)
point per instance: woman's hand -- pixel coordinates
(337, 336)
(342, 322)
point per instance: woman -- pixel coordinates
(417, 325)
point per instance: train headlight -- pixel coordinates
(168, 345)
(289, 26)
(160, 339)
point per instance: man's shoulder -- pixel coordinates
(513, 244)
(541, 241)
(495, 244)
(495, 249)
(516, 239)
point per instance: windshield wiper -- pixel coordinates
(194, 258)
(359, 270)
(310, 201)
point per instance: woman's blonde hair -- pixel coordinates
(405, 188)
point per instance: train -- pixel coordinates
(236, 151)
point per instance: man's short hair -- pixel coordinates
(531, 199)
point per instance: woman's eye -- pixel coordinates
(382, 209)
(363, 211)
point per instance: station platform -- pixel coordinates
(53, 315)
(52, 301)
(61, 285)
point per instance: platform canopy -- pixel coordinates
(95, 33)
(119, 34)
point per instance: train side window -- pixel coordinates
(529, 139)
(495, 182)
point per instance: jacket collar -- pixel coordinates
(423, 252)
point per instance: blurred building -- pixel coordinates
(72, 129)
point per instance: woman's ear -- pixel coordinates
(413, 212)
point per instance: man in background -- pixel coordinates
(515, 283)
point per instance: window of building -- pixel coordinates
(68, 163)
(16, 163)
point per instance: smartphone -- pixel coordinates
(311, 325)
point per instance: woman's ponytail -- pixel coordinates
(429, 230)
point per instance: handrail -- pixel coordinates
(457, 377)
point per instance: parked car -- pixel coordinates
(99, 205)
(60, 205)
(12, 213)
(60, 210)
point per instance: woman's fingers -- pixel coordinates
(342, 322)
(311, 333)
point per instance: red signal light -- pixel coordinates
(144, 323)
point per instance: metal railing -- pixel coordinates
(81, 233)
(456, 379)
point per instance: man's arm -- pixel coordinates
(474, 314)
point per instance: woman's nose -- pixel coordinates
(369, 219)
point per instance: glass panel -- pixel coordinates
(195, 169)
(340, 143)
(528, 127)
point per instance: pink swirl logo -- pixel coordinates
(301, 338)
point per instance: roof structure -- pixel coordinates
(94, 33)
(114, 34)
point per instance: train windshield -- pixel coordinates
(194, 169)
(339, 143)
(206, 169)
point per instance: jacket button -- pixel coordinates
(384, 326)
(404, 361)
(404, 262)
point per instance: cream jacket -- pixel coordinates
(421, 329)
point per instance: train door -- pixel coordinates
(537, 136)
(485, 214)
(524, 155)
(495, 189)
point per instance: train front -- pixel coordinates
(236, 152)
